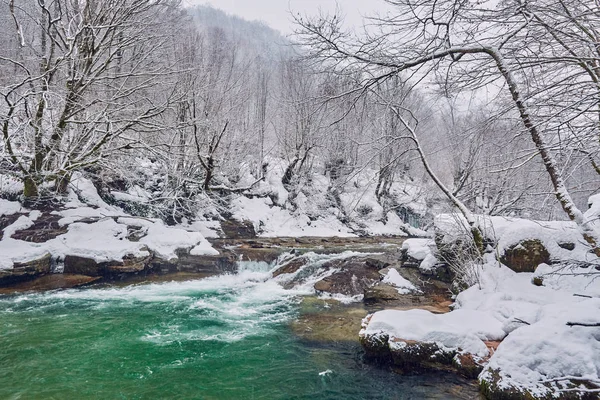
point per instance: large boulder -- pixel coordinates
(525, 256)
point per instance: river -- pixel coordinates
(222, 337)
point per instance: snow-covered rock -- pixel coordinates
(403, 285)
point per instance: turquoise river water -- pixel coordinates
(224, 337)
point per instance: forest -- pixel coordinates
(472, 128)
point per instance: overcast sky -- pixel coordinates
(276, 13)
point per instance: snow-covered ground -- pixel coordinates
(309, 209)
(548, 320)
(104, 239)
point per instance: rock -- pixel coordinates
(44, 228)
(6, 220)
(26, 270)
(525, 256)
(466, 365)
(82, 266)
(354, 277)
(51, 282)
(129, 265)
(381, 293)
(376, 264)
(291, 267)
(198, 264)
(414, 356)
(567, 245)
(234, 229)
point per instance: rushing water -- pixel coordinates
(224, 337)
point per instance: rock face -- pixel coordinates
(82, 266)
(201, 264)
(525, 256)
(26, 270)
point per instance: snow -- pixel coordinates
(506, 232)
(462, 329)
(10, 185)
(421, 250)
(403, 285)
(540, 347)
(271, 220)
(417, 248)
(311, 211)
(104, 239)
(9, 207)
(540, 352)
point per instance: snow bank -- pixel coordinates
(105, 239)
(271, 220)
(462, 329)
(312, 210)
(506, 232)
(545, 355)
(9, 207)
(541, 352)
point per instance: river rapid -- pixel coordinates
(222, 337)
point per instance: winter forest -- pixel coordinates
(422, 191)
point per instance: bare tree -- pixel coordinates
(84, 82)
(479, 44)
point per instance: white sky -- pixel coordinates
(276, 13)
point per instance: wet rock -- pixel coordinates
(414, 356)
(354, 277)
(51, 282)
(264, 254)
(235, 229)
(525, 256)
(291, 267)
(381, 293)
(328, 320)
(376, 264)
(197, 264)
(411, 356)
(129, 265)
(26, 270)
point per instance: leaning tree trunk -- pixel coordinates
(560, 189)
